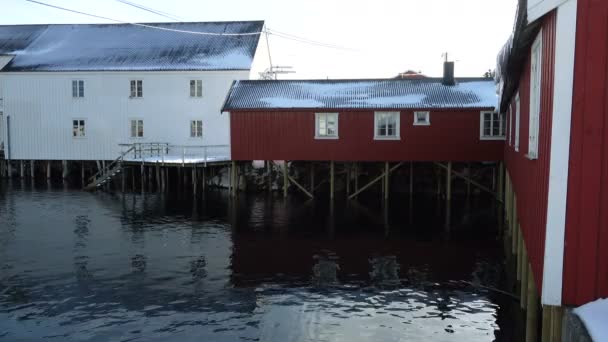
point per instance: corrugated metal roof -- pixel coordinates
(362, 94)
(124, 47)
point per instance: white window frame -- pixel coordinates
(397, 135)
(517, 121)
(501, 128)
(138, 124)
(427, 118)
(318, 117)
(81, 127)
(536, 66)
(196, 89)
(136, 89)
(197, 124)
(77, 89)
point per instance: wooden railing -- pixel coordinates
(110, 166)
(183, 152)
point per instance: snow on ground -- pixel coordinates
(168, 159)
(595, 317)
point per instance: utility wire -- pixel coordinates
(145, 25)
(307, 41)
(151, 10)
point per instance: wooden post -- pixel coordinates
(204, 178)
(32, 169)
(411, 178)
(387, 176)
(64, 169)
(233, 181)
(48, 169)
(269, 172)
(556, 323)
(163, 180)
(356, 177)
(21, 169)
(519, 249)
(347, 180)
(411, 194)
(438, 183)
(83, 177)
(501, 178)
(157, 176)
(285, 179)
(524, 278)
(469, 176)
(9, 169)
(448, 197)
(194, 179)
(331, 180)
(122, 178)
(532, 313)
(142, 176)
(312, 178)
(546, 330)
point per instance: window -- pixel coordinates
(517, 114)
(137, 128)
(137, 88)
(535, 94)
(78, 128)
(326, 125)
(386, 126)
(196, 129)
(77, 88)
(492, 126)
(196, 88)
(422, 118)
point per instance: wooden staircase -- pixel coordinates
(107, 173)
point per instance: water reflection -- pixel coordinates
(80, 266)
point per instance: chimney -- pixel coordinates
(448, 74)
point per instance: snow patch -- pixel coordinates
(595, 317)
(285, 102)
(407, 100)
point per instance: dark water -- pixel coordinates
(107, 267)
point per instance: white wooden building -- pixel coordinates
(76, 92)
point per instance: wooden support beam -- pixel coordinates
(519, 253)
(21, 169)
(64, 169)
(269, 171)
(32, 169)
(48, 169)
(557, 313)
(374, 181)
(285, 179)
(411, 183)
(448, 183)
(194, 179)
(331, 179)
(524, 278)
(501, 179)
(82, 173)
(514, 230)
(532, 308)
(356, 177)
(312, 178)
(387, 177)
(546, 324)
(299, 186)
(478, 185)
(157, 176)
(204, 178)
(347, 180)
(122, 179)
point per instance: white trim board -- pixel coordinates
(538, 8)
(560, 154)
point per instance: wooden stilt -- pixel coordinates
(501, 179)
(387, 177)
(204, 171)
(356, 177)
(132, 169)
(9, 169)
(546, 324)
(122, 178)
(142, 177)
(64, 169)
(82, 173)
(285, 179)
(32, 168)
(163, 179)
(375, 180)
(312, 178)
(468, 180)
(331, 180)
(234, 180)
(448, 197)
(21, 169)
(347, 179)
(411, 182)
(48, 169)
(194, 180)
(532, 308)
(519, 253)
(524, 278)
(157, 177)
(515, 229)
(556, 323)
(269, 174)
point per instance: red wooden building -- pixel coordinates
(553, 76)
(430, 119)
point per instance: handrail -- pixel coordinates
(109, 166)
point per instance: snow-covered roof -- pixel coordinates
(125, 47)
(425, 93)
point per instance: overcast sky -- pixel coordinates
(382, 37)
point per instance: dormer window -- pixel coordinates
(422, 118)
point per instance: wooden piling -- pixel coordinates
(233, 178)
(157, 177)
(347, 180)
(32, 169)
(532, 308)
(163, 180)
(48, 169)
(194, 179)
(82, 173)
(524, 278)
(356, 177)
(519, 252)
(331, 180)
(21, 169)
(122, 179)
(312, 178)
(269, 174)
(64, 169)
(556, 323)
(142, 176)
(204, 171)
(546, 324)
(285, 179)
(9, 169)
(387, 176)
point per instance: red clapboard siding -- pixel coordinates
(586, 249)
(530, 178)
(289, 135)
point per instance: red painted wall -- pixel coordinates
(586, 252)
(530, 178)
(289, 135)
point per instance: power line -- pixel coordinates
(145, 25)
(151, 10)
(288, 35)
(307, 41)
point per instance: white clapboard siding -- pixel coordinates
(42, 108)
